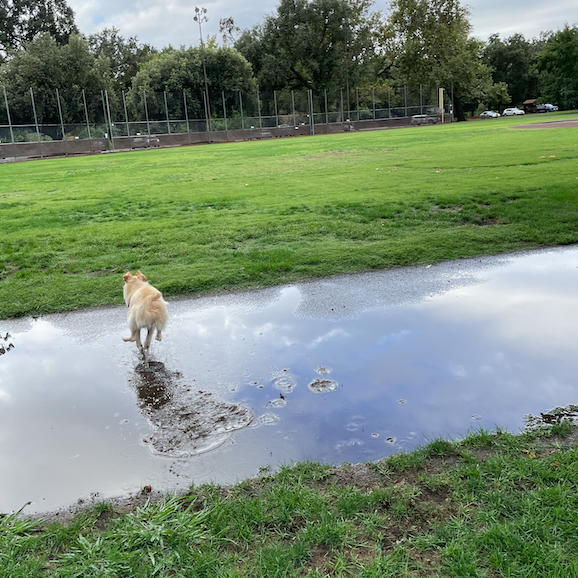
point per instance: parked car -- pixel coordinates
(433, 116)
(490, 114)
(512, 111)
(546, 108)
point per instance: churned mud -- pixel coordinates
(184, 421)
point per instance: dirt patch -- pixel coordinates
(455, 209)
(344, 153)
(7, 271)
(487, 222)
(100, 272)
(571, 123)
(361, 476)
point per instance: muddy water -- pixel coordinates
(349, 369)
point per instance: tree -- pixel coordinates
(44, 65)
(22, 20)
(557, 65)
(512, 62)
(431, 44)
(312, 44)
(125, 55)
(229, 30)
(176, 70)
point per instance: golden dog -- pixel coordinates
(146, 309)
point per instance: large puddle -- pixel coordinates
(348, 369)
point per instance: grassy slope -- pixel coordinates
(491, 505)
(239, 215)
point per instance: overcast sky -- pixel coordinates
(164, 22)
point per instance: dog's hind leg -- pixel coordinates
(159, 336)
(138, 341)
(133, 336)
(147, 342)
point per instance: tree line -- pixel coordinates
(314, 45)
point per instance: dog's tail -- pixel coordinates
(158, 308)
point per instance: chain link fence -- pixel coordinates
(76, 121)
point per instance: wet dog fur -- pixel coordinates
(146, 310)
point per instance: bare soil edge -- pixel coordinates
(363, 476)
(570, 123)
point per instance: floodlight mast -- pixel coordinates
(200, 16)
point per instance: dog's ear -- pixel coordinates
(127, 276)
(140, 276)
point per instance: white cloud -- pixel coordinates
(529, 18)
(331, 335)
(164, 22)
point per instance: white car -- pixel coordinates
(490, 114)
(512, 111)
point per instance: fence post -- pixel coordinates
(125, 114)
(373, 100)
(293, 104)
(326, 111)
(420, 100)
(389, 101)
(86, 113)
(259, 109)
(241, 103)
(60, 114)
(452, 102)
(144, 94)
(224, 110)
(35, 116)
(342, 115)
(405, 99)
(357, 102)
(276, 112)
(186, 111)
(109, 120)
(167, 112)
(8, 114)
(104, 113)
(311, 119)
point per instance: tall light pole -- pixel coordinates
(200, 16)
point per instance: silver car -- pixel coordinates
(512, 111)
(490, 114)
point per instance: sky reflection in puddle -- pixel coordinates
(350, 369)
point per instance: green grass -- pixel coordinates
(491, 505)
(238, 215)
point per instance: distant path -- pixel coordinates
(551, 124)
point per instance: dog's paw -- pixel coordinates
(129, 339)
(159, 337)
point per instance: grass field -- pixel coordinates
(492, 505)
(229, 216)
